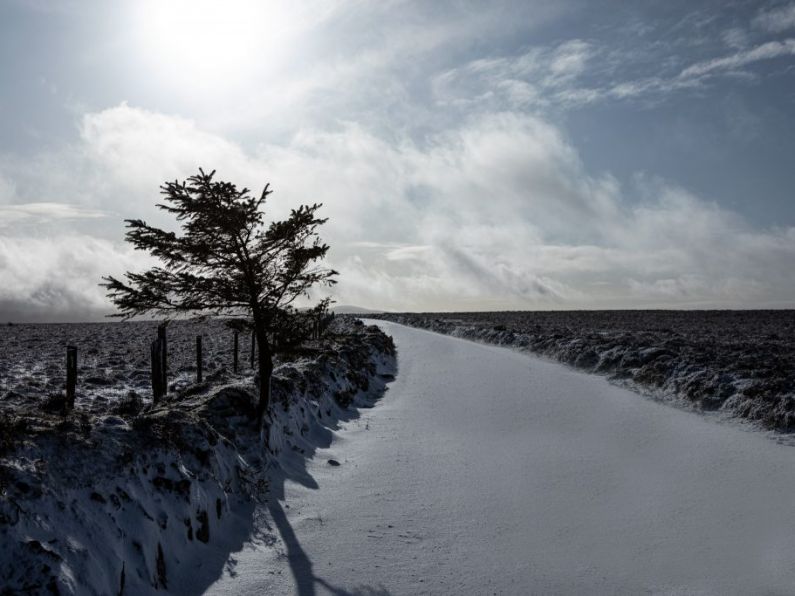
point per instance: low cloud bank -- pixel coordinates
(57, 278)
(497, 213)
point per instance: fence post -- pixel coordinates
(161, 336)
(253, 347)
(71, 375)
(198, 358)
(157, 371)
(234, 352)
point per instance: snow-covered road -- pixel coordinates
(486, 471)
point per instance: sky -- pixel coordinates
(523, 155)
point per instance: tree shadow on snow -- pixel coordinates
(291, 465)
(294, 468)
(301, 565)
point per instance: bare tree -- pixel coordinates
(226, 262)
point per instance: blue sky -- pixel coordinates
(470, 155)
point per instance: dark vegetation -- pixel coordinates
(742, 362)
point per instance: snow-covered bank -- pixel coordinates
(132, 502)
(740, 362)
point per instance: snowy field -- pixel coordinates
(741, 363)
(113, 358)
(489, 471)
(153, 498)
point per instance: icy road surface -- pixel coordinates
(486, 471)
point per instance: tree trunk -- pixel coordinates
(265, 366)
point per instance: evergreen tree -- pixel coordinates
(227, 262)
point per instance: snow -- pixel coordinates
(488, 471)
(735, 362)
(113, 359)
(99, 504)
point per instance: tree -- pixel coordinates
(226, 262)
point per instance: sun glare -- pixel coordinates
(212, 42)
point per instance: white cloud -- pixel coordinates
(497, 213)
(532, 78)
(576, 73)
(735, 37)
(57, 278)
(115, 169)
(765, 51)
(141, 149)
(697, 74)
(776, 20)
(569, 60)
(43, 212)
(362, 60)
(502, 213)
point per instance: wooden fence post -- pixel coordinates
(161, 336)
(71, 376)
(234, 353)
(198, 358)
(253, 347)
(157, 371)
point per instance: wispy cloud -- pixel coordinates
(697, 74)
(765, 51)
(567, 76)
(43, 212)
(529, 79)
(777, 19)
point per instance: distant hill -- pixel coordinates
(347, 309)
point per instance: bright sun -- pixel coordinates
(212, 42)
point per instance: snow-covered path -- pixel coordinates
(485, 471)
